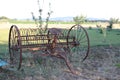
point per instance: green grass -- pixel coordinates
(118, 65)
(3, 42)
(96, 39)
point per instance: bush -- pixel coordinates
(90, 28)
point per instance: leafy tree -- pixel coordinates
(3, 17)
(111, 22)
(79, 19)
(114, 20)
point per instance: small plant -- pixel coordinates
(79, 19)
(111, 22)
(102, 30)
(110, 26)
(39, 21)
(90, 28)
(118, 65)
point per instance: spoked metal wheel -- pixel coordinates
(15, 49)
(78, 43)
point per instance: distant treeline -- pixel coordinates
(77, 19)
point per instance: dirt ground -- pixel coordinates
(103, 63)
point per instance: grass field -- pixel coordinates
(96, 39)
(101, 61)
(4, 41)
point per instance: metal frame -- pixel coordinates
(54, 43)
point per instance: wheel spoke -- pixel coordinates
(14, 48)
(78, 35)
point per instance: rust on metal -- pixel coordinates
(54, 42)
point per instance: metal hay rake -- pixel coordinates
(54, 42)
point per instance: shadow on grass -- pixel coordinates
(3, 49)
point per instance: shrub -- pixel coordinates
(90, 28)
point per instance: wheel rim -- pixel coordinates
(80, 46)
(15, 47)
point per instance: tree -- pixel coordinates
(114, 20)
(79, 19)
(3, 17)
(111, 22)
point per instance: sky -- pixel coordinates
(21, 9)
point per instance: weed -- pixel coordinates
(118, 65)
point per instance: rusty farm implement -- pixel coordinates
(72, 45)
(54, 42)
